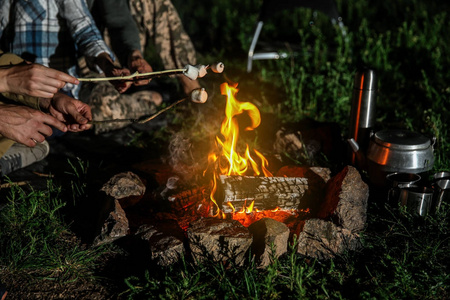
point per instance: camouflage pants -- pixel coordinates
(159, 21)
(107, 104)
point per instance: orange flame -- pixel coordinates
(230, 161)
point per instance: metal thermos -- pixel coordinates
(362, 116)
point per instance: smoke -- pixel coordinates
(189, 147)
(181, 158)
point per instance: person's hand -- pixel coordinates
(136, 63)
(33, 80)
(74, 113)
(105, 63)
(27, 125)
(120, 85)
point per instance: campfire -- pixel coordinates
(244, 204)
(242, 187)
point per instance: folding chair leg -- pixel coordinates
(251, 51)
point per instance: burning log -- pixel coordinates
(187, 198)
(266, 192)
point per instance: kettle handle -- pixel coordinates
(433, 141)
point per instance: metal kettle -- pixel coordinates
(395, 150)
(385, 151)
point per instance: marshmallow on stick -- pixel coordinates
(192, 72)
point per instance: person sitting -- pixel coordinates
(120, 29)
(159, 23)
(54, 33)
(27, 91)
(113, 16)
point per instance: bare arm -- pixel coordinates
(33, 80)
(73, 113)
(24, 124)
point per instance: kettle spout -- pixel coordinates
(358, 158)
(353, 144)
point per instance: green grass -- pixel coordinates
(405, 259)
(34, 237)
(401, 258)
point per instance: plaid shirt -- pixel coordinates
(50, 32)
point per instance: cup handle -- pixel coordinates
(392, 193)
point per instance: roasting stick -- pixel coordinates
(134, 75)
(192, 72)
(196, 96)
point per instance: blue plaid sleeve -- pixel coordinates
(82, 27)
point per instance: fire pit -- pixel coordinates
(244, 208)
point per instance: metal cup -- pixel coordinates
(441, 175)
(418, 200)
(398, 180)
(441, 193)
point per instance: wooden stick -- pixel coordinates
(134, 75)
(11, 184)
(161, 111)
(138, 120)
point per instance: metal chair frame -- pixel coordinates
(330, 10)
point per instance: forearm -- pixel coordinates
(122, 28)
(83, 30)
(104, 62)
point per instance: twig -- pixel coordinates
(11, 184)
(43, 175)
(139, 120)
(161, 111)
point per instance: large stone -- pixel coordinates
(165, 241)
(125, 186)
(270, 239)
(114, 226)
(346, 200)
(340, 218)
(219, 240)
(323, 239)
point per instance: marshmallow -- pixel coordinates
(218, 68)
(201, 70)
(191, 72)
(199, 95)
